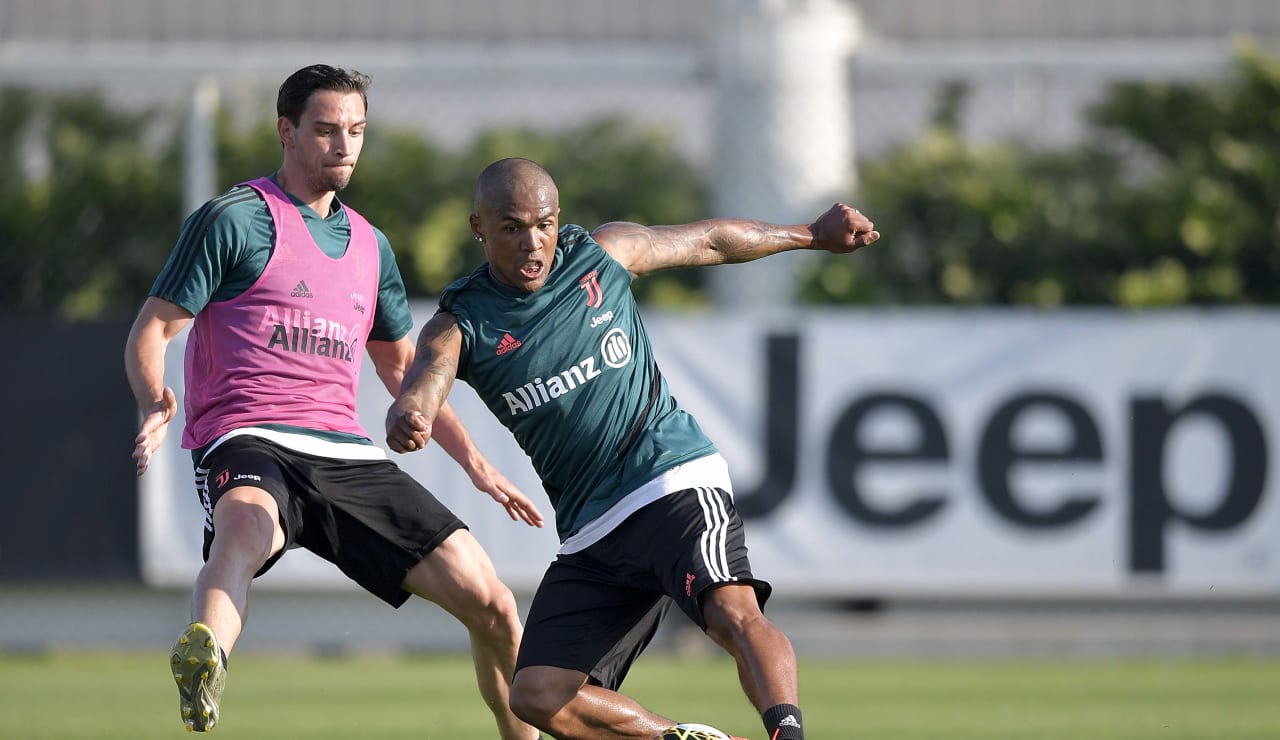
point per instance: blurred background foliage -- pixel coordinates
(1171, 200)
(1174, 199)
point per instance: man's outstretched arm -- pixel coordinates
(420, 410)
(645, 249)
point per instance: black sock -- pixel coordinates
(224, 658)
(783, 722)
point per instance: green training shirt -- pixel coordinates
(570, 371)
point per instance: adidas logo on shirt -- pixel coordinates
(508, 343)
(301, 290)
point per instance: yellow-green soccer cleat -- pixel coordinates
(199, 671)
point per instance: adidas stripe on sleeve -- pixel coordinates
(212, 259)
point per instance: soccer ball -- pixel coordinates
(692, 731)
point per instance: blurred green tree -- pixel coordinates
(1173, 201)
(86, 206)
(94, 203)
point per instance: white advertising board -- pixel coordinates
(925, 452)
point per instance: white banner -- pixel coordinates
(925, 452)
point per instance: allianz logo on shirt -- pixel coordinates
(615, 350)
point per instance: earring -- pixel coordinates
(477, 237)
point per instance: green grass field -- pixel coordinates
(131, 697)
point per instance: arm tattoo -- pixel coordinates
(436, 364)
(716, 241)
(730, 241)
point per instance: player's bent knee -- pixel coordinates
(527, 704)
(244, 531)
(489, 595)
(538, 693)
(730, 605)
(484, 604)
(732, 613)
(499, 619)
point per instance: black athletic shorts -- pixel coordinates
(597, 609)
(368, 517)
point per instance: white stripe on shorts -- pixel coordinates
(715, 538)
(202, 490)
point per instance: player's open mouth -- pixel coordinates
(531, 270)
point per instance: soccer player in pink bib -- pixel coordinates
(287, 288)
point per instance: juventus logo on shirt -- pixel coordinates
(591, 283)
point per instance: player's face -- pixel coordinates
(324, 146)
(519, 236)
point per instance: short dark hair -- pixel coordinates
(298, 88)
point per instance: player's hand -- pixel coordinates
(407, 429)
(486, 478)
(154, 427)
(843, 229)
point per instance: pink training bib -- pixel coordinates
(289, 349)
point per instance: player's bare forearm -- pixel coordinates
(448, 432)
(156, 325)
(391, 360)
(436, 365)
(425, 385)
(645, 249)
(144, 365)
